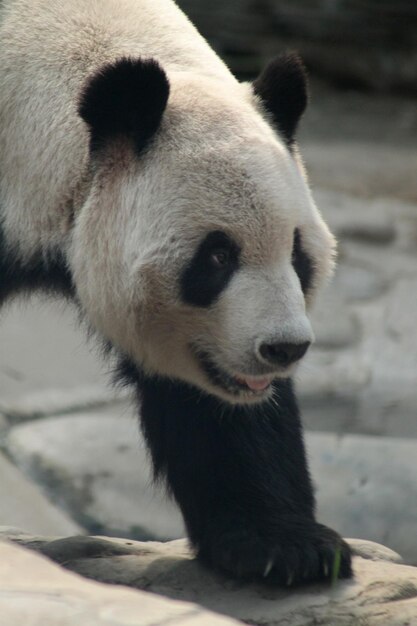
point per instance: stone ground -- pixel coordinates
(383, 591)
(70, 449)
(36, 592)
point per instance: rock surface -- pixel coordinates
(36, 592)
(95, 465)
(22, 503)
(50, 330)
(367, 486)
(383, 592)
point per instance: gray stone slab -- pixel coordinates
(97, 467)
(367, 487)
(44, 348)
(366, 169)
(382, 593)
(47, 365)
(361, 376)
(374, 224)
(335, 326)
(23, 504)
(60, 401)
(36, 592)
(361, 144)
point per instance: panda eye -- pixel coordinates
(220, 258)
(302, 263)
(209, 271)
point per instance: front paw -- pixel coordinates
(299, 552)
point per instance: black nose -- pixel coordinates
(283, 353)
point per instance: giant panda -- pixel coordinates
(142, 181)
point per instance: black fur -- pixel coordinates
(125, 98)
(282, 87)
(302, 263)
(241, 480)
(202, 281)
(45, 272)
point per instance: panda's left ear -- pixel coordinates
(282, 88)
(125, 98)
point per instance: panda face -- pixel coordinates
(208, 247)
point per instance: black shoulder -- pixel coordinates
(46, 272)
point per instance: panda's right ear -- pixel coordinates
(282, 88)
(126, 98)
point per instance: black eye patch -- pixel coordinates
(302, 263)
(209, 271)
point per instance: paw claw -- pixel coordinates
(313, 553)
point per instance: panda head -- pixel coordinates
(198, 249)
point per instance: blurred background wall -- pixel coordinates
(369, 44)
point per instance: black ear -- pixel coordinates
(125, 98)
(282, 87)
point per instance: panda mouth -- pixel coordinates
(235, 385)
(255, 385)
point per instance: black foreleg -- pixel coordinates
(241, 479)
(47, 272)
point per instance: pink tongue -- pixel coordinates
(257, 384)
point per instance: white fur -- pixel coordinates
(215, 164)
